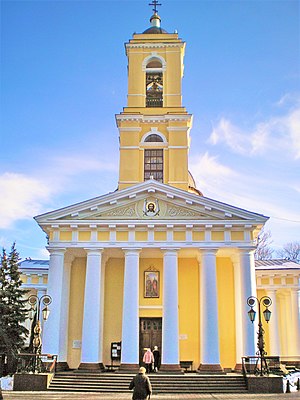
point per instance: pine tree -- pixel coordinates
(12, 306)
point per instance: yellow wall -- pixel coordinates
(141, 236)
(84, 236)
(122, 236)
(34, 279)
(198, 236)
(65, 236)
(160, 236)
(226, 310)
(179, 236)
(189, 314)
(103, 236)
(114, 282)
(217, 236)
(237, 235)
(76, 309)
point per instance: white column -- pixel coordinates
(238, 313)
(273, 325)
(295, 322)
(170, 322)
(58, 309)
(210, 352)
(130, 320)
(248, 288)
(91, 350)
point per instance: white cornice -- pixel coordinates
(153, 118)
(153, 45)
(163, 191)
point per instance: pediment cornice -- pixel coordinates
(168, 204)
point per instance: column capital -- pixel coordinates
(133, 251)
(247, 250)
(56, 250)
(94, 251)
(166, 250)
(210, 251)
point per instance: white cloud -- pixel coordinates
(277, 134)
(254, 192)
(21, 197)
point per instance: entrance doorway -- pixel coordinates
(150, 334)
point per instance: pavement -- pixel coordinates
(11, 395)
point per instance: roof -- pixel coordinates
(276, 264)
(154, 30)
(28, 263)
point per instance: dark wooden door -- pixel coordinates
(150, 335)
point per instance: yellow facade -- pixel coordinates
(157, 222)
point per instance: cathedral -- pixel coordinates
(156, 263)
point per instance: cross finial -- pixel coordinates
(155, 3)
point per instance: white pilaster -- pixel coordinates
(130, 320)
(170, 322)
(274, 325)
(210, 352)
(91, 351)
(295, 321)
(248, 288)
(58, 309)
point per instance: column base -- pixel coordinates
(131, 368)
(170, 369)
(91, 367)
(210, 369)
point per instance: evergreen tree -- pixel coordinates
(12, 306)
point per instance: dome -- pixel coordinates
(192, 185)
(155, 28)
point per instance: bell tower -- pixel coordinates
(154, 126)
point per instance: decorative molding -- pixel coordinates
(174, 211)
(121, 212)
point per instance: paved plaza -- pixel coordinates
(10, 395)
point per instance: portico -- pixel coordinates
(101, 283)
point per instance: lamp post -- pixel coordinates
(267, 302)
(39, 306)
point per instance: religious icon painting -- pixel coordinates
(151, 284)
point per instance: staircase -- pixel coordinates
(119, 383)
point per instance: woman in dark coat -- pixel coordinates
(141, 385)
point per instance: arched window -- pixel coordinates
(153, 138)
(154, 164)
(154, 83)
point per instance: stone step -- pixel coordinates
(119, 383)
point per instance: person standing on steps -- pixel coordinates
(156, 355)
(141, 385)
(148, 359)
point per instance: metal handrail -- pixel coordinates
(36, 363)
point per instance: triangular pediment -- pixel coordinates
(150, 200)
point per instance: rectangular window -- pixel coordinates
(153, 165)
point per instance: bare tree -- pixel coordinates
(263, 250)
(290, 251)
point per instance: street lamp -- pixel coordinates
(267, 302)
(38, 305)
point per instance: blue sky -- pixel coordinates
(64, 77)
